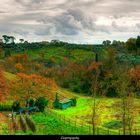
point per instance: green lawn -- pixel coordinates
(82, 112)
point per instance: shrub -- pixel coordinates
(5, 107)
(16, 106)
(41, 103)
(74, 101)
(31, 103)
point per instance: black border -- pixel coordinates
(69, 137)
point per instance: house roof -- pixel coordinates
(65, 101)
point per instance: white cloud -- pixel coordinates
(70, 20)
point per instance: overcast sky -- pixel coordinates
(80, 21)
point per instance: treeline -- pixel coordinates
(132, 45)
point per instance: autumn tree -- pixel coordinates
(96, 104)
(31, 86)
(134, 74)
(131, 45)
(126, 106)
(3, 87)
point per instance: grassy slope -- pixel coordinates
(60, 53)
(81, 113)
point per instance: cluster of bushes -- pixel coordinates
(40, 103)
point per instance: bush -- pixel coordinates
(41, 103)
(74, 101)
(115, 124)
(16, 106)
(31, 103)
(5, 107)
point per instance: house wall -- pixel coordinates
(64, 105)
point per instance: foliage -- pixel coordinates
(131, 44)
(3, 87)
(56, 102)
(31, 103)
(74, 101)
(16, 105)
(138, 42)
(4, 107)
(41, 103)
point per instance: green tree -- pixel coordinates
(16, 106)
(131, 45)
(56, 102)
(41, 103)
(21, 40)
(106, 43)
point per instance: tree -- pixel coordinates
(8, 39)
(131, 45)
(41, 103)
(126, 106)
(134, 75)
(106, 43)
(30, 86)
(16, 106)
(138, 42)
(3, 87)
(96, 105)
(12, 38)
(21, 40)
(19, 67)
(56, 102)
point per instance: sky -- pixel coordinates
(74, 21)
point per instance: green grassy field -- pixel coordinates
(59, 53)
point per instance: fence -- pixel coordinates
(76, 127)
(86, 129)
